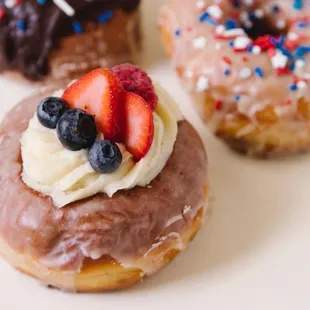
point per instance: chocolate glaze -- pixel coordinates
(27, 50)
(124, 226)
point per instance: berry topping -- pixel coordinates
(139, 131)
(105, 156)
(76, 130)
(99, 93)
(137, 81)
(50, 110)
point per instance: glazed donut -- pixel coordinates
(60, 40)
(99, 243)
(246, 64)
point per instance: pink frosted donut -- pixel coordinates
(246, 63)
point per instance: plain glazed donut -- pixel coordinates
(139, 230)
(246, 64)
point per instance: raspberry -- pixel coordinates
(137, 81)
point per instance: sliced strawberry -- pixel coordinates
(100, 93)
(139, 131)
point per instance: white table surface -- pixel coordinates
(254, 254)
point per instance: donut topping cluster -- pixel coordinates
(97, 103)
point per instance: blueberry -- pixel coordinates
(105, 156)
(50, 110)
(76, 130)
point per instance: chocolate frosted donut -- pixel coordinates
(247, 66)
(63, 39)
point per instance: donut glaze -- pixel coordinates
(247, 65)
(124, 227)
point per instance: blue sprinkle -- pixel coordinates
(205, 17)
(293, 87)
(227, 72)
(178, 32)
(103, 18)
(252, 17)
(250, 48)
(292, 66)
(236, 3)
(302, 50)
(298, 4)
(231, 24)
(41, 2)
(231, 43)
(303, 24)
(77, 27)
(280, 45)
(259, 72)
(275, 9)
(237, 97)
(21, 25)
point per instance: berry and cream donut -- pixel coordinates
(63, 39)
(101, 184)
(246, 63)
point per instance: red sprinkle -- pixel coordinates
(282, 71)
(288, 101)
(245, 59)
(1, 13)
(218, 105)
(271, 52)
(188, 28)
(295, 79)
(264, 42)
(227, 60)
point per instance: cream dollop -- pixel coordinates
(67, 176)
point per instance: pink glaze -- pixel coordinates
(202, 57)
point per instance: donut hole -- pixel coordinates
(262, 27)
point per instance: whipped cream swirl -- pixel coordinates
(67, 176)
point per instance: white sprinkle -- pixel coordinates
(248, 24)
(189, 74)
(256, 50)
(215, 11)
(199, 42)
(202, 84)
(234, 33)
(281, 24)
(248, 2)
(244, 16)
(245, 73)
(300, 63)
(219, 29)
(301, 85)
(292, 36)
(279, 60)
(200, 4)
(9, 3)
(65, 7)
(218, 46)
(186, 209)
(259, 13)
(241, 43)
(307, 76)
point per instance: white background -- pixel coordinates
(254, 253)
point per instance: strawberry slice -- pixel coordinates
(100, 93)
(139, 128)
